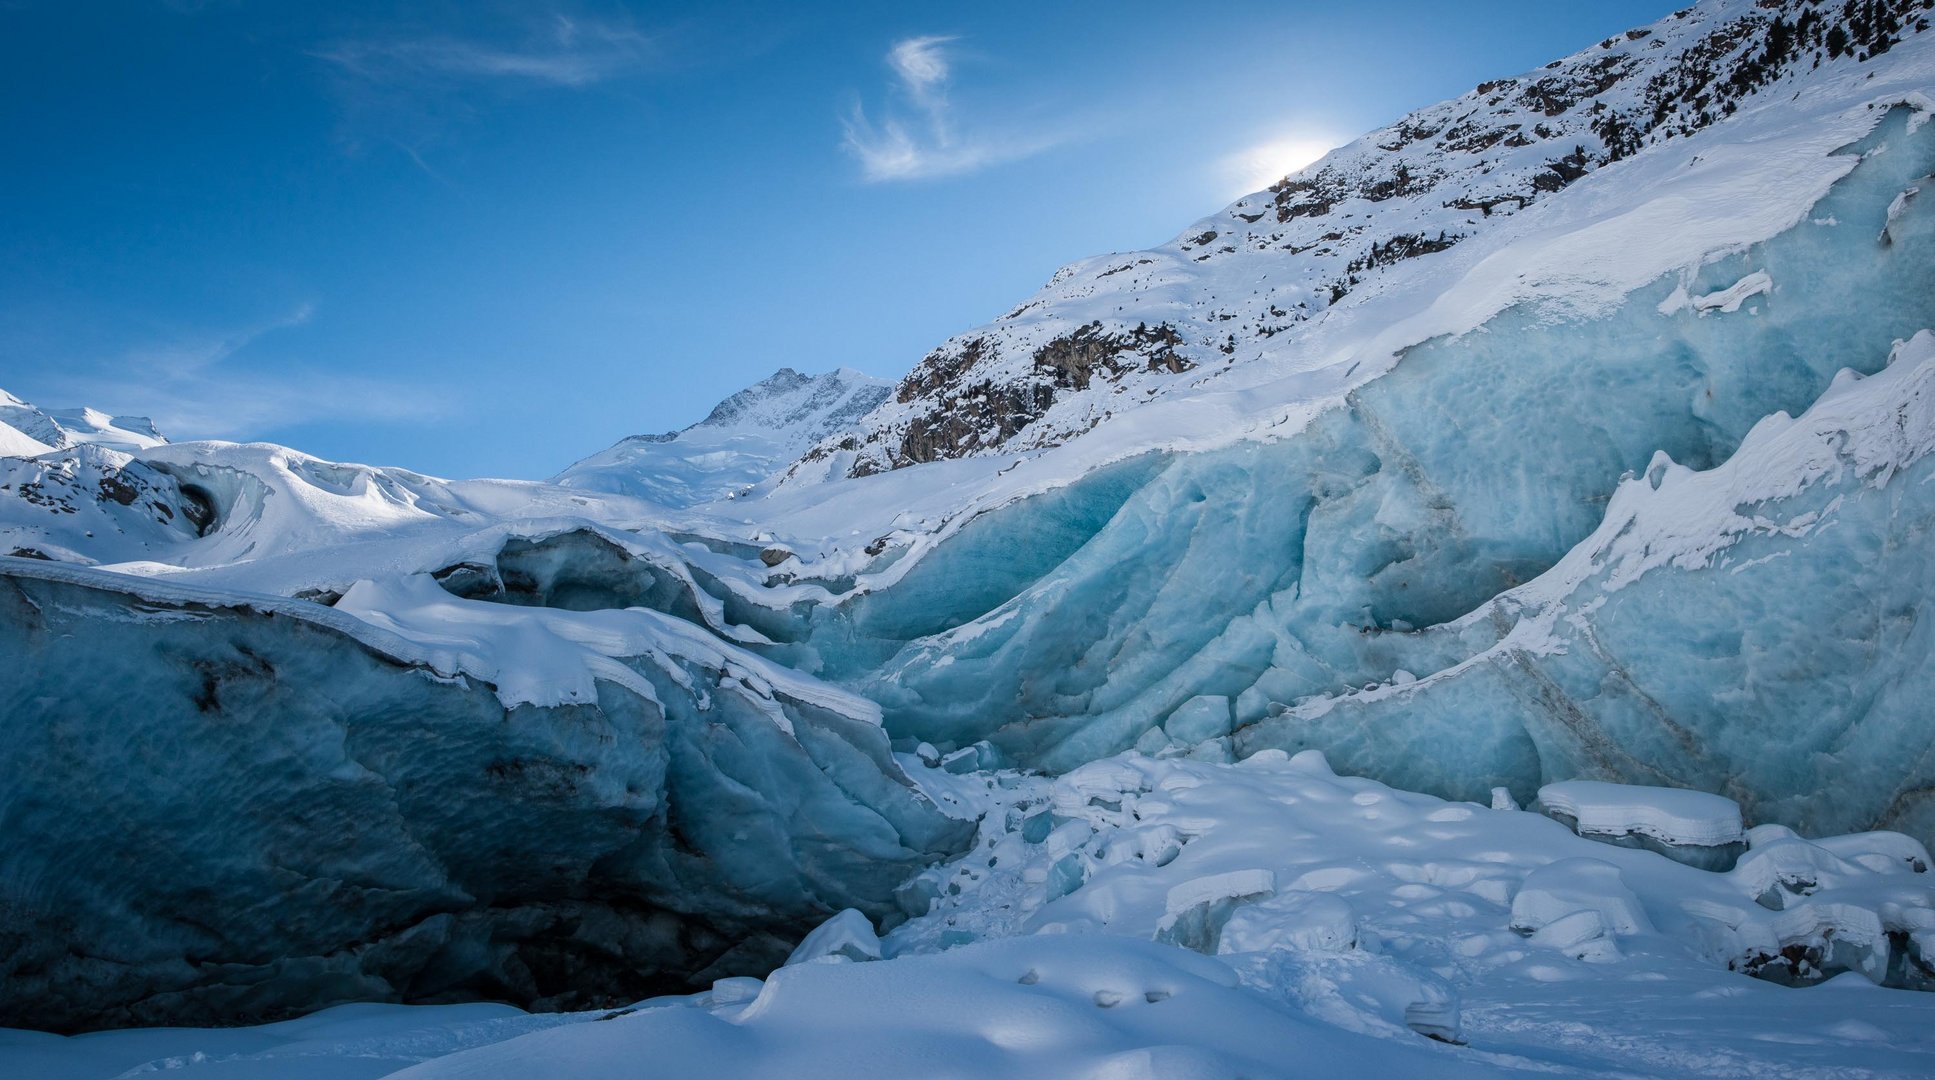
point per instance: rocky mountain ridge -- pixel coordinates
(1111, 333)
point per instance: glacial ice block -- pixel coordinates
(1749, 628)
(847, 936)
(1693, 826)
(221, 806)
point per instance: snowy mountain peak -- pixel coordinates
(743, 440)
(64, 428)
(1249, 285)
(814, 406)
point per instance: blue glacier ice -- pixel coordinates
(220, 807)
(1292, 573)
(1214, 668)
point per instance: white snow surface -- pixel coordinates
(1674, 815)
(1355, 919)
(63, 428)
(543, 656)
(16, 443)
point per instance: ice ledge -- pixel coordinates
(1671, 815)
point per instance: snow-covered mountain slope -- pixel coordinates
(746, 438)
(1255, 284)
(63, 428)
(16, 443)
(265, 517)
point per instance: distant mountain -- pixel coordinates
(747, 438)
(60, 429)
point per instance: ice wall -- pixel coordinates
(1302, 570)
(1754, 630)
(221, 807)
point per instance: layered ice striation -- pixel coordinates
(1349, 586)
(221, 806)
(1750, 630)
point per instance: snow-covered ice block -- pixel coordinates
(736, 989)
(1882, 852)
(301, 807)
(975, 757)
(848, 935)
(1582, 935)
(1435, 1018)
(1674, 815)
(1694, 827)
(1196, 911)
(1298, 920)
(1236, 884)
(1568, 886)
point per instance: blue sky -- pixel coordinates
(474, 238)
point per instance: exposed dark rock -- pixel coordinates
(1073, 360)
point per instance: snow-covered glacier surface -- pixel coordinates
(1187, 738)
(1158, 919)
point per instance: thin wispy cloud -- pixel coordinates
(412, 87)
(922, 66)
(559, 50)
(210, 385)
(916, 135)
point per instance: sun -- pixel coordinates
(1264, 164)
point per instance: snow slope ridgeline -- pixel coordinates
(748, 437)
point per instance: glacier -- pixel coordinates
(399, 819)
(1289, 577)
(1180, 726)
(1195, 919)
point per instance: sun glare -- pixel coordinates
(1264, 164)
